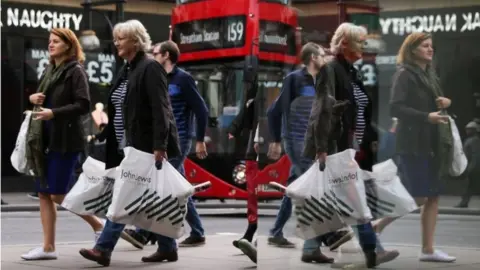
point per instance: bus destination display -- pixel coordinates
(277, 37)
(210, 34)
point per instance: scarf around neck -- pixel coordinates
(444, 131)
(35, 146)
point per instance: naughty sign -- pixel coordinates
(431, 21)
(40, 18)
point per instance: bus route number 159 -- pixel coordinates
(235, 31)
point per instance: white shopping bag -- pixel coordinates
(346, 181)
(151, 199)
(314, 205)
(386, 195)
(19, 157)
(459, 159)
(92, 194)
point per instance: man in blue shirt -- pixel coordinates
(288, 119)
(187, 104)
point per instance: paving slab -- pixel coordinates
(283, 258)
(218, 253)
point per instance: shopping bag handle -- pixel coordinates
(321, 166)
(158, 164)
(277, 186)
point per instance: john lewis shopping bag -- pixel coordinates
(92, 194)
(459, 159)
(386, 195)
(345, 179)
(314, 205)
(19, 154)
(149, 198)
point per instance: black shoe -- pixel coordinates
(136, 239)
(338, 238)
(248, 249)
(317, 256)
(96, 256)
(192, 241)
(4, 203)
(161, 256)
(281, 242)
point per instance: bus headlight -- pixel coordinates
(239, 176)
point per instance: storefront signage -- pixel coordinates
(99, 67)
(41, 18)
(210, 34)
(368, 71)
(432, 23)
(277, 37)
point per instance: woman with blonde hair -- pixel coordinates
(141, 117)
(424, 138)
(355, 129)
(55, 136)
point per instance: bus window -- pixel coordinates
(283, 2)
(181, 2)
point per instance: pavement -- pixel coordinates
(283, 259)
(217, 252)
(19, 202)
(21, 231)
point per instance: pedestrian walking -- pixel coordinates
(140, 116)
(357, 130)
(288, 118)
(55, 138)
(187, 105)
(424, 138)
(245, 125)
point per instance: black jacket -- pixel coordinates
(245, 124)
(325, 118)
(69, 101)
(411, 102)
(147, 113)
(345, 73)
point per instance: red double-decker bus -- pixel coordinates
(220, 42)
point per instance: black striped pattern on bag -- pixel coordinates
(321, 210)
(99, 204)
(379, 208)
(157, 208)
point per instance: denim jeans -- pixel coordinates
(193, 218)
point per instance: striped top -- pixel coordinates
(118, 96)
(361, 100)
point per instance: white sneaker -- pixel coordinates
(39, 254)
(437, 256)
